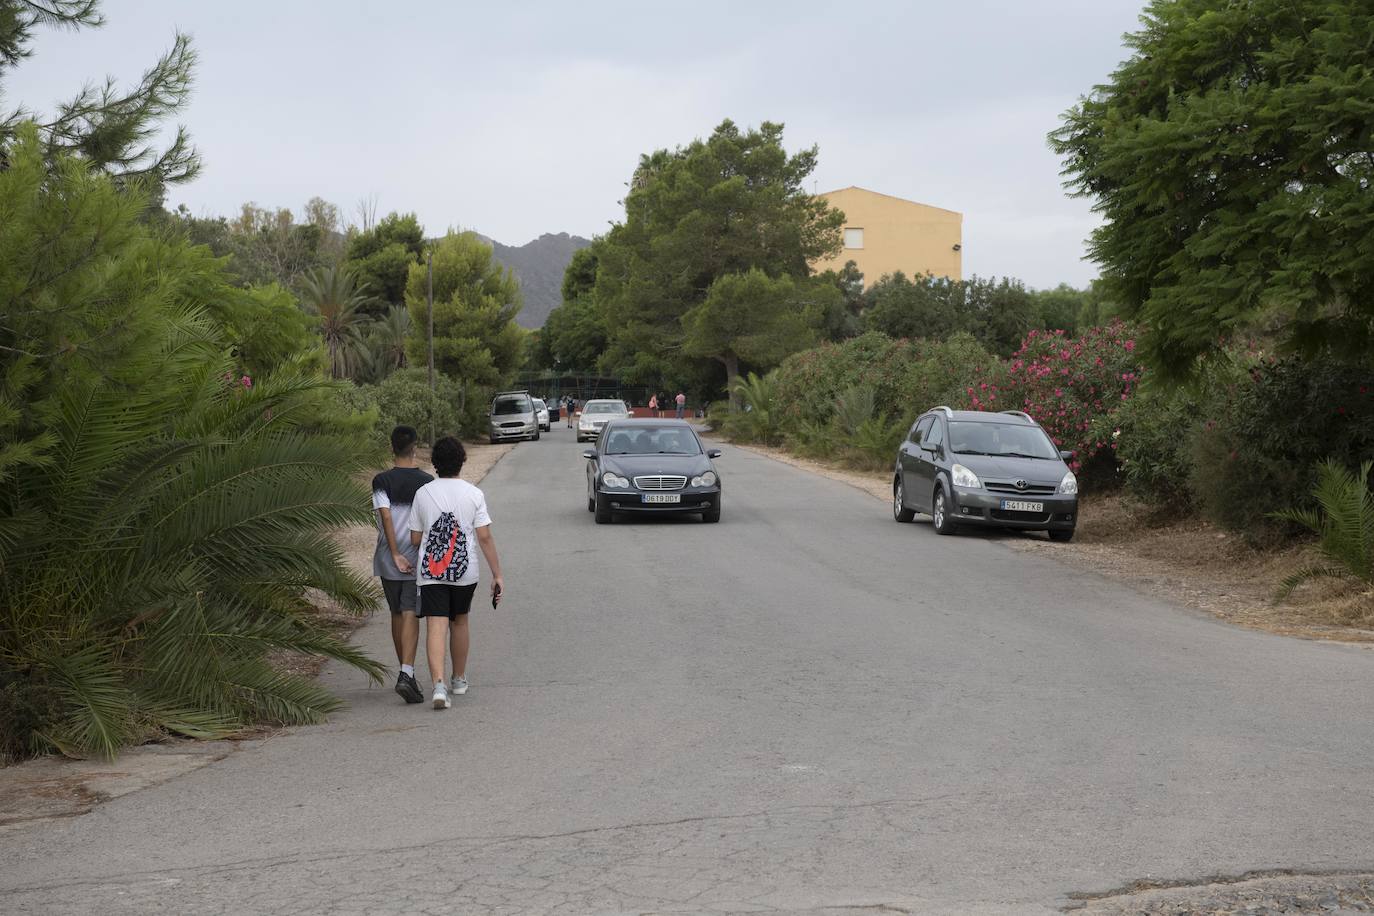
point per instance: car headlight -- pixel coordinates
(963, 477)
(614, 480)
(705, 480)
(1069, 485)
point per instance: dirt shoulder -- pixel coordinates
(1185, 561)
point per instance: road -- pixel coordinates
(804, 708)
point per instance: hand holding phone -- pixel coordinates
(495, 594)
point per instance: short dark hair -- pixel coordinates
(403, 439)
(448, 457)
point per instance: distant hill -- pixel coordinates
(539, 265)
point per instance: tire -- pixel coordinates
(711, 516)
(1061, 536)
(591, 504)
(939, 512)
(603, 510)
(899, 511)
(493, 440)
(535, 437)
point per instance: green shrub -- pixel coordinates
(1345, 523)
(1267, 426)
(761, 420)
(1153, 432)
(404, 399)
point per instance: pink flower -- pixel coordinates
(246, 382)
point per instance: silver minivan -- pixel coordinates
(513, 417)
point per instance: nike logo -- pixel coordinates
(436, 570)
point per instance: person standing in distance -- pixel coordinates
(393, 493)
(447, 523)
(681, 404)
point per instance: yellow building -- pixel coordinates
(885, 234)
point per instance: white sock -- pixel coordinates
(408, 669)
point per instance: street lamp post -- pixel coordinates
(429, 301)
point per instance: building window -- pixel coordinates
(854, 238)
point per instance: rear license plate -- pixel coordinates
(662, 498)
(1014, 505)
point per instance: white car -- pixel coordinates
(597, 413)
(541, 412)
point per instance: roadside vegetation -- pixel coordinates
(185, 406)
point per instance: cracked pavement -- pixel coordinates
(805, 708)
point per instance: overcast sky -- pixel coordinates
(519, 118)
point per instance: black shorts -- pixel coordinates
(400, 595)
(446, 600)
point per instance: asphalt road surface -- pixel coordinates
(804, 708)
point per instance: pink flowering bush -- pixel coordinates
(1068, 384)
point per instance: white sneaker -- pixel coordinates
(441, 700)
(459, 685)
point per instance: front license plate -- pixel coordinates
(661, 498)
(1013, 505)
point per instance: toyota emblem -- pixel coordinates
(1021, 484)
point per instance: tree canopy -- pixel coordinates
(114, 130)
(756, 318)
(729, 204)
(475, 303)
(1231, 157)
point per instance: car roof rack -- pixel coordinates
(1020, 413)
(948, 412)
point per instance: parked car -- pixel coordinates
(541, 413)
(981, 468)
(597, 413)
(652, 466)
(512, 417)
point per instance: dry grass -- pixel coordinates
(1182, 560)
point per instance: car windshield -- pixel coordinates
(1006, 440)
(652, 440)
(604, 407)
(511, 405)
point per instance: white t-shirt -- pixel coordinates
(448, 512)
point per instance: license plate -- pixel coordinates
(1015, 505)
(662, 498)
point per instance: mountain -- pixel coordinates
(539, 266)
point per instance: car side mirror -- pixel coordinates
(1066, 455)
(589, 453)
(713, 453)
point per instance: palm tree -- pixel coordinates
(333, 293)
(389, 340)
(1345, 524)
(168, 546)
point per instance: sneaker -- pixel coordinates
(459, 685)
(441, 700)
(408, 689)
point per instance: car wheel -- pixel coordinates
(603, 510)
(711, 515)
(899, 510)
(939, 512)
(535, 437)
(1061, 535)
(493, 440)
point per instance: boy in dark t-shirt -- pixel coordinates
(393, 561)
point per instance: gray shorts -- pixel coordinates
(400, 594)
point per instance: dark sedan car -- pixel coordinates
(653, 466)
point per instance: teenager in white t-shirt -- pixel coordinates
(448, 520)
